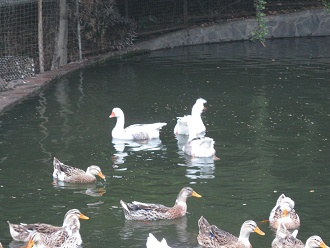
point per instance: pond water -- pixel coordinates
(268, 111)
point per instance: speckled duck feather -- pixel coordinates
(213, 237)
(71, 174)
(150, 211)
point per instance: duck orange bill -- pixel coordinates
(30, 244)
(84, 217)
(285, 213)
(257, 230)
(323, 245)
(112, 115)
(195, 194)
(101, 175)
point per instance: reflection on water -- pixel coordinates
(41, 109)
(198, 167)
(179, 226)
(202, 168)
(125, 147)
(268, 113)
(129, 227)
(181, 141)
(94, 190)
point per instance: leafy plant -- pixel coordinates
(261, 30)
(147, 22)
(326, 5)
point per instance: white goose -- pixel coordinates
(198, 146)
(196, 111)
(133, 132)
(152, 242)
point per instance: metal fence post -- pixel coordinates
(40, 38)
(185, 13)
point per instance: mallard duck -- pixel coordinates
(152, 242)
(181, 127)
(71, 174)
(284, 212)
(148, 211)
(22, 232)
(198, 146)
(213, 237)
(68, 237)
(133, 132)
(286, 239)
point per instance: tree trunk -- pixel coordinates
(60, 56)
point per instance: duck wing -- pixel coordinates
(22, 231)
(222, 237)
(148, 206)
(144, 211)
(66, 169)
(144, 131)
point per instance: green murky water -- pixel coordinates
(268, 111)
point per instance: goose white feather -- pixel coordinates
(196, 111)
(133, 132)
(198, 146)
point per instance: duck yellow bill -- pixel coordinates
(285, 213)
(101, 175)
(323, 245)
(84, 217)
(195, 194)
(257, 230)
(30, 244)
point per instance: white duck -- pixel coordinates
(196, 111)
(71, 224)
(286, 239)
(133, 132)
(284, 212)
(152, 242)
(198, 146)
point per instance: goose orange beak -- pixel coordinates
(112, 115)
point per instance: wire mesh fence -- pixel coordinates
(98, 26)
(19, 55)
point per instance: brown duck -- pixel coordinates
(149, 211)
(212, 237)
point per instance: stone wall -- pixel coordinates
(314, 22)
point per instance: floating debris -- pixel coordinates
(95, 203)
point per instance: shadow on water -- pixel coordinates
(267, 111)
